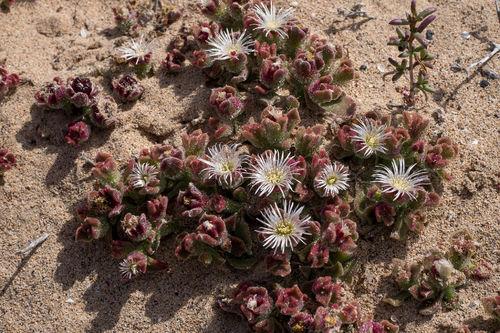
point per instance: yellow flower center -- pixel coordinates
(227, 167)
(298, 328)
(371, 140)
(272, 25)
(275, 176)
(400, 183)
(284, 228)
(331, 180)
(331, 321)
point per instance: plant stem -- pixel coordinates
(411, 67)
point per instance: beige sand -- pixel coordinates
(67, 286)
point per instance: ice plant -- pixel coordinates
(283, 228)
(225, 165)
(127, 88)
(399, 180)
(331, 180)
(7, 161)
(271, 21)
(272, 172)
(8, 81)
(293, 310)
(368, 138)
(142, 175)
(78, 96)
(228, 45)
(412, 44)
(434, 281)
(137, 52)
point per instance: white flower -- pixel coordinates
(370, 138)
(444, 268)
(224, 164)
(400, 180)
(272, 20)
(142, 174)
(332, 179)
(283, 228)
(226, 46)
(128, 269)
(272, 171)
(136, 50)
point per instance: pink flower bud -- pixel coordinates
(7, 161)
(325, 291)
(127, 88)
(290, 300)
(278, 264)
(81, 92)
(137, 228)
(226, 102)
(77, 133)
(91, 229)
(52, 94)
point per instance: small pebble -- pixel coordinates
(484, 83)
(381, 68)
(438, 116)
(489, 74)
(363, 67)
(455, 67)
(465, 35)
(474, 142)
(429, 34)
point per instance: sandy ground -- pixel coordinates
(67, 286)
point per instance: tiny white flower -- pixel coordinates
(283, 228)
(224, 165)
(272, 20)
(142, 174)
(370, 138)
(332, 179)
(225, 45)
(272, 171)
(136, 50)
(444, 268)
(252, 302)
(128, 269)
(400, 180)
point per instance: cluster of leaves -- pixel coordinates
(215, 220)
(401, 138)
(255, 47)
(412, 44)
(7, 161)
(8, 82)
(434, 280)
(141, 17)
(82, 100)
(318, 306)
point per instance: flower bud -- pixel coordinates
(194, 143)
(290, 301)
(326, 292)
(137, 228)
(278, 264)
(103, 113)
(127, 88)
(52, 94)
(81, 92)
(226, 102)
(77, 133)
(91, 229)
(7, 161)
(174, 61)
